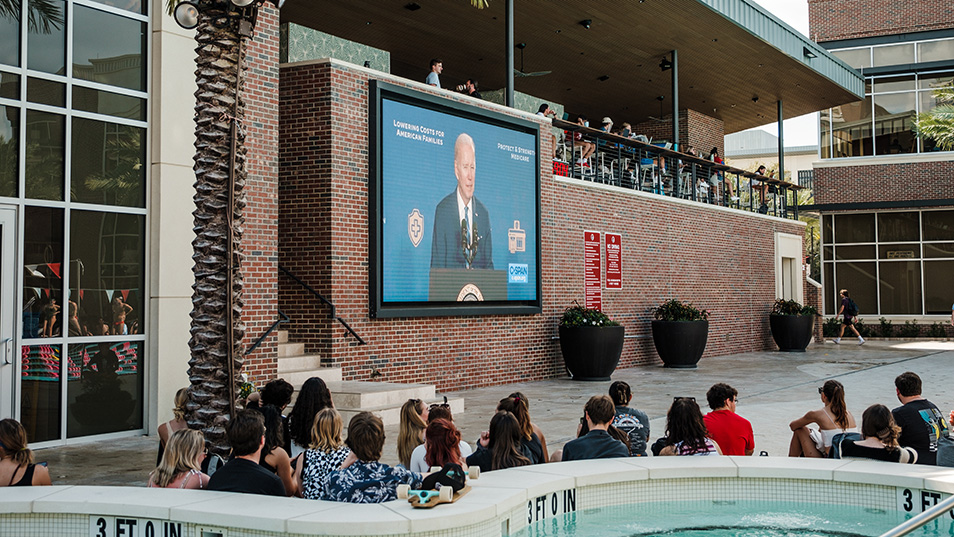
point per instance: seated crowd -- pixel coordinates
(271, 454)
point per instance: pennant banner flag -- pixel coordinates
(109, 293)
(125, 293)
(55, 267)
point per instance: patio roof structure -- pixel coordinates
(735, 60)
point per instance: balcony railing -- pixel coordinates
(658, 169)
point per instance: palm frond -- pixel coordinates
(938, 125)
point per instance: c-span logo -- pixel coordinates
(415, 227)
(518, 273)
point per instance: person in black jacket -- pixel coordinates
(246, 433)
(596, 444)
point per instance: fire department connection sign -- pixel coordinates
(592, 263)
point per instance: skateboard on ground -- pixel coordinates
(425, 499)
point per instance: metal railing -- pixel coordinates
(282, 318)
(908, 526)
(658, 169)
(325, 301)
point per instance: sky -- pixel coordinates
(801, 130)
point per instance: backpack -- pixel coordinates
(851, 309)
(632, 427)
(835, 451)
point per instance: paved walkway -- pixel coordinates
(774, 388)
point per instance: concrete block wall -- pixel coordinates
(832, 20)
(719, 259)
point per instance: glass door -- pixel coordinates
(8, 362)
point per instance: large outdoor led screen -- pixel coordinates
(454, 208)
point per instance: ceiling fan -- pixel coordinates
(520, 73)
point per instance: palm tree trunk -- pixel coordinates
(217, 328)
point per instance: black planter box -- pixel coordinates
(680, 344)
(591, 352)
(792, 333)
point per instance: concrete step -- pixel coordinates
(391, 414)
(290, 349)
(303, 362)
(297, 378)
(282, 336)
(355, 394)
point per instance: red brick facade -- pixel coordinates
(696, 129)
(832, 20)
(885, 182)
(260, 241)
(721, 260)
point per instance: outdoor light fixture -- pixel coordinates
(243, 3)
(187, 15)
(665, 64)
(603, 78)
(586, 23)
(808, 53)
(755, 99)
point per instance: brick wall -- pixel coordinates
(695, 129)
(260, 240)
(693, 252)
(832, 20)
(885, 182)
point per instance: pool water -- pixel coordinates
(731, 519)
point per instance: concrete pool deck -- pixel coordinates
(774, 388)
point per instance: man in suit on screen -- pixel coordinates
(462, 235)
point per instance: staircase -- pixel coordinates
(353, 396)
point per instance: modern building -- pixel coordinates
(96, 187)
(752, 148)
(886, 197)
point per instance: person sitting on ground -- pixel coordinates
(414, 415)
(274, 458)
(419, 455)
(325, 454)
(177, 423)
(686, 430)
(312, 398)
(849, 317)
(181, 463)
(362, 479)
(635, 423)
(731, 431)
(243, 473)
(504, 447)
(16, 459)
(880, 441)
(443, 445)
(277, 393)
(833, 418)
(597, 443)
(516, 403)
(920, 420)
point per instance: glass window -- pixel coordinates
(892, 55)
(861, 281)
(894, 116)
(938, 225)
(9, 85)
(40, 407)
(106, 279)
(829, 252)
(939, 249)
(893, 83)
(104, 389)
(44, 91)
(9, 150)
(824, 139)
(831, 287)
(104, 102)
(46, 43)
(114, 57)
(936, 80)
(935, 51)
(44, 155)
(938, 291)
(826, 229)
(42, 272)
(851, 129)
(900, 287)
(866, 251)
(107, 165)
(899, 251)
(857, 58)
(854, 228)
(10, 33)
(898, 227)
(136, 6)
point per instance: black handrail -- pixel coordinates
(281, 319)
(331, 307)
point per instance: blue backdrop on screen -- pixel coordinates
(417, 150)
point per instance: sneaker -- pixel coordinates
(735, 198)
(836, 341)
(861, 341)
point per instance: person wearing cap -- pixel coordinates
(607, 124)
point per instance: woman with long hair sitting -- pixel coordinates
(832, 418)
(181, 462)
(16, 459)
(411, 432)
(419, 455)
(312, 398)
(686, 430)
(274, 458)
(505, 448)
(443, 444)
(516, 403)
(326, 453)
(880, 441)
(177, 422)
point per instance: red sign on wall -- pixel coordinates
(614, 266)
(592, 263)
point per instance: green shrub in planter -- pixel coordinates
(936, 330)
(680, 332)
(909, 329)
(591, 343)
(674, 310)
(885, 330)
(831, 327)
(792, 325)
